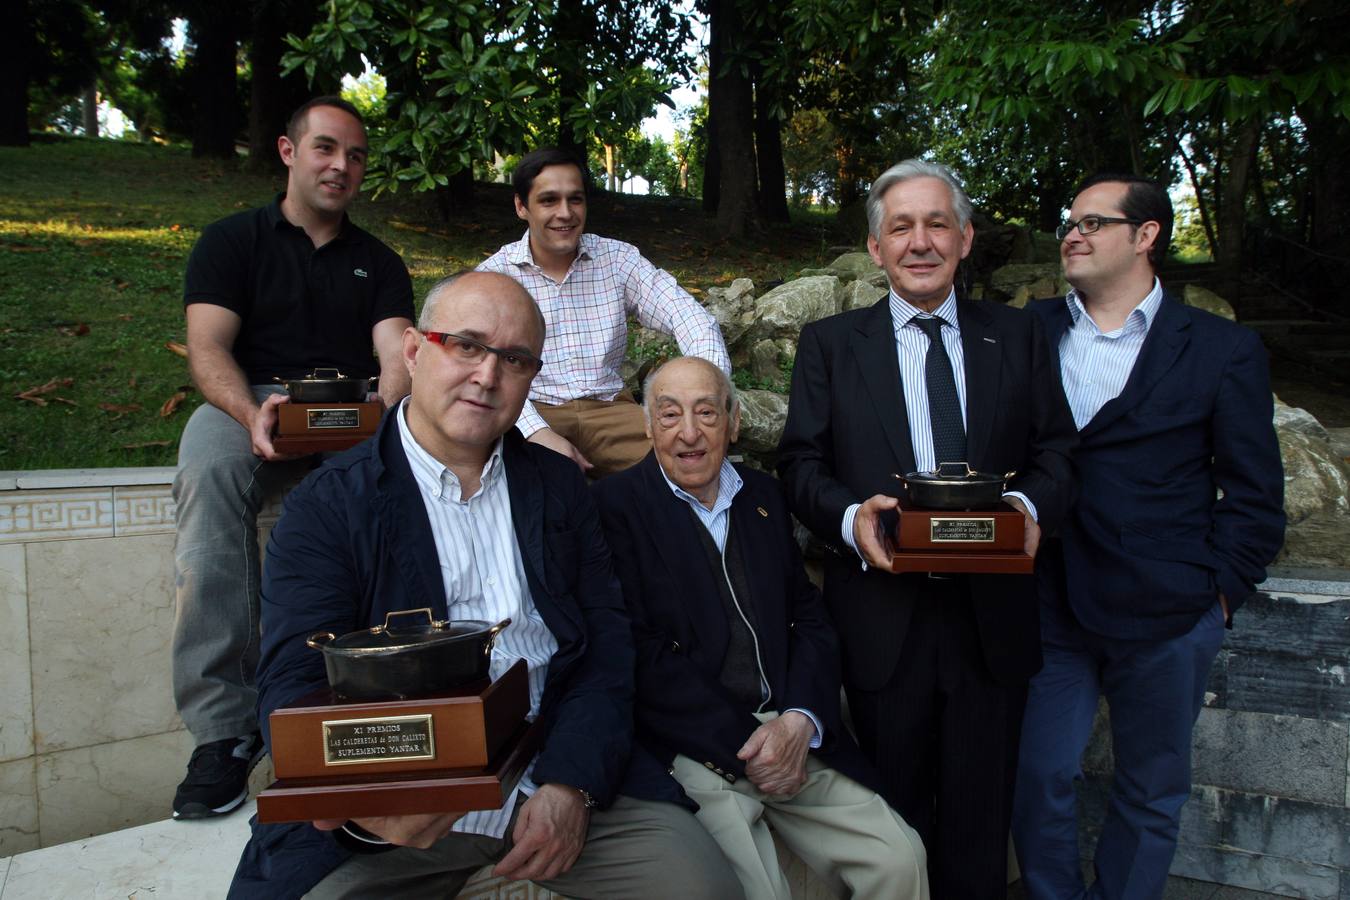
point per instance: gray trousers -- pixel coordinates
(636, 848)
(219, 489)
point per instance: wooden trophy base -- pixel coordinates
(324, 427)
(448, 790)
(953, 541)
(322, 734)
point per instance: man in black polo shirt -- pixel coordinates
(275, 291)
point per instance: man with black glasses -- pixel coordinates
(1171, 403)
(448, 507)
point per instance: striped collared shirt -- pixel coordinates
(484, 578)
(718, 519)
(911, 345)
(587, 318)
(1095, 365)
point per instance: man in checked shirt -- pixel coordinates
(587, 287)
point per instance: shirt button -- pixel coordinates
(491, 582)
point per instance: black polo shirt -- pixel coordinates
(301, 308)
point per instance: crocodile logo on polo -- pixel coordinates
(360, 273)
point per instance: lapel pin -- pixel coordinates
(762, 511)
(991, 340)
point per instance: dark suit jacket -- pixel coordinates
(847, 432)
(680, 627)
(354, 543)
(1148, 548)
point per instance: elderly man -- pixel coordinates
(1171, 403)
(587, 287)
(448, 507)
(936, 667)
(275, 291)
(737, 665)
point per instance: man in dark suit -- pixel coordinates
(1171, 403)
(737, 664)
(448, 507)
(935, 666)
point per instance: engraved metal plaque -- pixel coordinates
(349, 742)
(962, 530)
(333, 417)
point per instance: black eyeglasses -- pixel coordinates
(1092, 224)
(467, 350)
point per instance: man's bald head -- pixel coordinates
(727, 399)
(463, 284)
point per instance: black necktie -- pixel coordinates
(944, 404)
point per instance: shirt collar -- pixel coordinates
(520, 255)
(277, 219)
(728, 484)
(902, 311)
(434, 477)
(1139, 319)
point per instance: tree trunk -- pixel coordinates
(737, 212)
(89, 109)
(1233, 212)
(610, 182)
(456, 198)
(571, 31)
(769, 156)
(712, 163)
(213, 84)
(1200, 203)
(14, 67)
(271, 97)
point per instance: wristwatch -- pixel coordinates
(587, 798)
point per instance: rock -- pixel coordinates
(733, 307)
(852, 266)
(764, 360)
(861, 294)
(851, 220)
(1340, 442)
(784, 310)
(1203, 298)
(1026, 281)
(1316, 492)
(762, 416)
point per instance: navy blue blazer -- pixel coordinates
(847, 433)
(680, 627)
(1147, 548)
(354, 542)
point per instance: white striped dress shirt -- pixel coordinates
(1095, 365)
(484, 578)
(587, 318)
(911, 347)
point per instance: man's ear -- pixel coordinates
(412, 340)
(287, 150)
(967, 239)
(734, 431)
(874, 251)
(522, 211)
(1145, 236)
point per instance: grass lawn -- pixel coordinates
(94, 236)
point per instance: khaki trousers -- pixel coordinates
(612, 434)
(846, 833)
(636, 848)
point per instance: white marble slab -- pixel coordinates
(48, 479)
(143, 510)
(94, 790)
(18, 807)
(16, 699)
(101, 624)
(164, 859)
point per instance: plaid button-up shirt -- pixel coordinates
(587, 317)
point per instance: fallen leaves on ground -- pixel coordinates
(75, 329)
(175, 347)
(34, 394)
(121, 409)
(172, 404)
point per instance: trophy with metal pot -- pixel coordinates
(954, 519)
(328, 411)
(410, 723)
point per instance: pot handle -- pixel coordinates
(325, 373)
(426, 610)
(954, 470)
(492, 635)
(900, 478)
(313, 640)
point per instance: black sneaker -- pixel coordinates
(217, 777)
